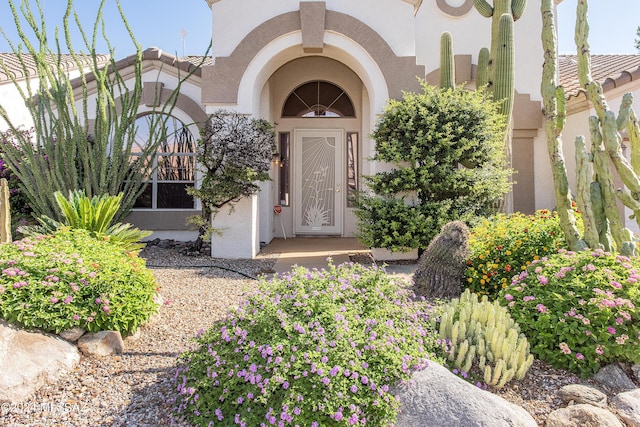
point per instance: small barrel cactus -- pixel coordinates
(482, 338)
(442, 265)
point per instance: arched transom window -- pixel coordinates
(318, 99)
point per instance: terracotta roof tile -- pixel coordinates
(610, 70)
(13, 65)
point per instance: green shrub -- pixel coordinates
(482, 340)
(94, 214)
(313, 348)
(504, 245)
(579, 310)
(71, 279)
(446, 151)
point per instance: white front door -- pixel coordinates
(318, 178)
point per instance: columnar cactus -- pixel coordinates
(606, 140)
(447, 63)
(583, 195)
(5, 212)
(504, 69)
(482, 75)
(555, 116)
(514, 10)
(482, 335)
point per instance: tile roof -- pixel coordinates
(610, 70)
(13, 64)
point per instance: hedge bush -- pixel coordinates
(70, 279)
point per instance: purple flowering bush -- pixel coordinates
(579, 310)
(70, 279)
(309, 348)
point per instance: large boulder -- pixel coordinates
(30, 360)
(437, 398)
(582, 415)
(615, 378)
(628, 406)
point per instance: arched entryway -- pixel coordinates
(316, 103)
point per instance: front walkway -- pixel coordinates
(312, 252)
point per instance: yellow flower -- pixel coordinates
(535, 258)
(508, 252)
(482, 283)
(470, 280)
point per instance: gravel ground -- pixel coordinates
(134, 388)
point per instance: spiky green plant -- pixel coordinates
(482, 338)
(94, 214)
(77, 147)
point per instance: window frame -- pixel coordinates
(153, 182)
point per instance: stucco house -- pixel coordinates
(322, 71)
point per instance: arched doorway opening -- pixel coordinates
(317, 105)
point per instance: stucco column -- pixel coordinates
(240, 230)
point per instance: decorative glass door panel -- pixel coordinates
(318, 181)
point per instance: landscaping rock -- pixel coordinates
(133, 337)
(436, 397)
(578, 393)
(628, 406)
(73, 334)
(582, 415)
(103, 343)
(636, 372)
(615, 378)
(30, 360)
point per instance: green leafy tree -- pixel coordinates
(235, 153)
(445, 147)
(75, 146)
(637, 41)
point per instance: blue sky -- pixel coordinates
(160, 22)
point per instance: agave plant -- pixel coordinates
(94, 214)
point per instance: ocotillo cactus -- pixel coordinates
(447, 63)
(5, 212)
